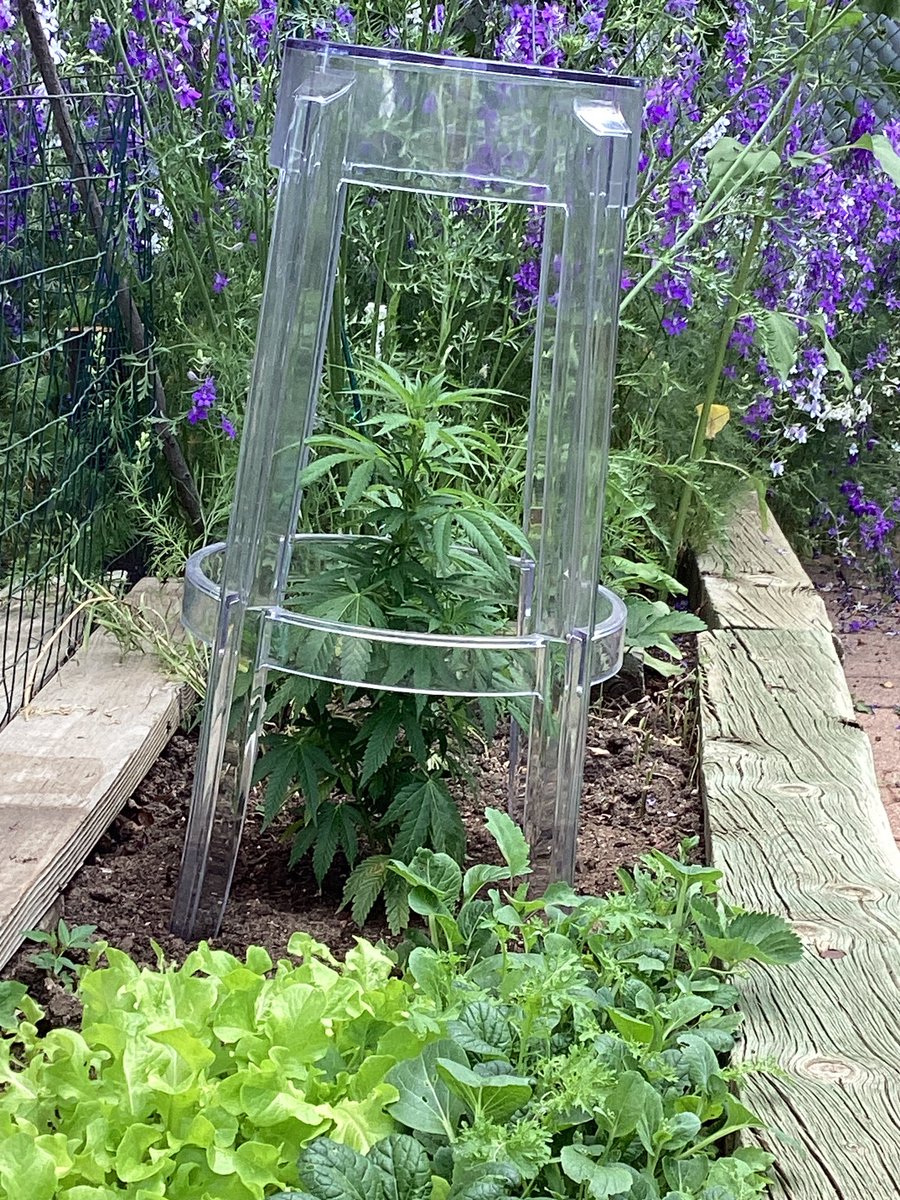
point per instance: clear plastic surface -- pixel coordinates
(460, 127)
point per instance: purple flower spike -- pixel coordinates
(204, 400)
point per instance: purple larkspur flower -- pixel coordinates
(203, 400)
(99, 35)
(220, 282)
(674, 325)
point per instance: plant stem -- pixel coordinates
(732, 312)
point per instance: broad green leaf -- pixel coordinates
(510, 840)
(679, 1130)
(623, 1105)
(885, 154)
(27, 1172)
(11, 994)
(650, 1120)
(833, 360)
(483, 1028)
(436, 873)
(744, 164)
(631, 1027)
(602, 1179)
(335, 1172)
(426, 1104)
(699, 1060)
(482, 873)
(405, 1169)
(362, 1123)
(757, 937)
(686, 1174)
(494, 1097)
(133, 1161)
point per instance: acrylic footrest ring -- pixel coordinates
(397, 660)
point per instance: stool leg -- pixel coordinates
(555, 767)
(226, 754)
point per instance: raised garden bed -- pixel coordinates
(794, 822)
(640, 793)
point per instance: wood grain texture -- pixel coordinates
(796, 823)
(70, 761)
(755, 580)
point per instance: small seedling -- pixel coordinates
(59, 944)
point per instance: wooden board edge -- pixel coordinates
(41, 897)
(729, 593)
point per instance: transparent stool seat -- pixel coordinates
(434, 125)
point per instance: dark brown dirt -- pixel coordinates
(639, 793)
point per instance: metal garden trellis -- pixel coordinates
(455, 127)
(67, 405)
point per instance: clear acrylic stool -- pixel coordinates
(452, 127)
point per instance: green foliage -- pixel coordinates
(651, 625)
(11, 996)
(203, 1081)
(356, 765)
(586, 1035)
(60, 943)
(561, 1047)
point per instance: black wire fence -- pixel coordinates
(71, 397)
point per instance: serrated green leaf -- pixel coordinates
(427, 816)
(396, 903)
(380, 731)
(364, 885)
(326, 840)
(319, 467)
(355, 654)
(358, 482)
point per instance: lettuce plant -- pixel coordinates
(203, 1081)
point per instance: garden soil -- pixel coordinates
(640, 792)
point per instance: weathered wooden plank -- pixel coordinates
(70, 761)
(754, 580)
(796, 823)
